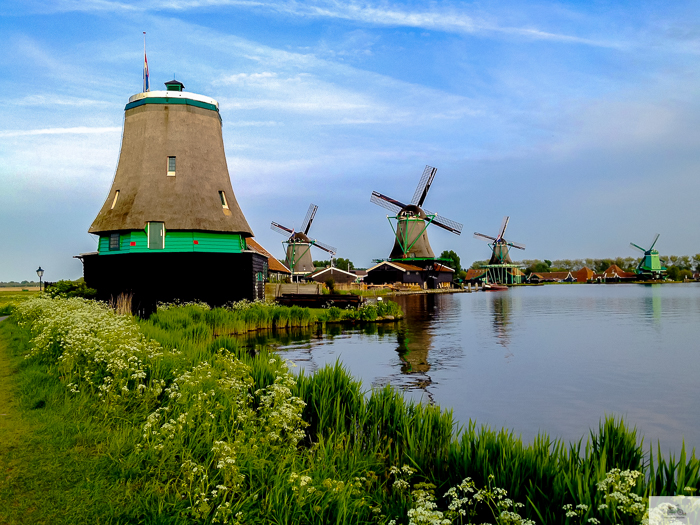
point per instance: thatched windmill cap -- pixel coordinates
(172, 168)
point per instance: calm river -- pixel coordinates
(552, 358)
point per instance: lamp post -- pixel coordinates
(40, 273)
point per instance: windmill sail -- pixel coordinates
(448, 224)
(504, 225)
(327, 247)
(281, 229)
(310, 214)
(390, 204)
(484, 237)
(423, 186)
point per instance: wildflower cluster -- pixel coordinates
(617, 492)
(93, 349)
(619, 496)
(320, 495)
(214, 404)
(466, 502)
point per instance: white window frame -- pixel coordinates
(224, 202)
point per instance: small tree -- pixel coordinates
(344, 264)
(454, 258)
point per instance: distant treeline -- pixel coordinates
(678, 266)
(15, 284)
(343, 264)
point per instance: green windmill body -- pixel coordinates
(650, 268)
(500, 268)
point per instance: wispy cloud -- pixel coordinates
(79, 130)
(53, 100)
(450, 18)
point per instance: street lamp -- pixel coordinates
(40, 273)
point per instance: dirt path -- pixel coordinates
(10, 429)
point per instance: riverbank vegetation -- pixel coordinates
(198, 321)
(159, 422)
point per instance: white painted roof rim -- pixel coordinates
(174, 94)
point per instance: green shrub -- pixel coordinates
(67, 289)
(334, 313)
(6, 309)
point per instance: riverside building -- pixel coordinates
(170, 227)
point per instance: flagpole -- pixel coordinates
(144, 58)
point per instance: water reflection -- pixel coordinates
(652, 304)
(501, 307)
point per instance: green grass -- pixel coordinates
(9, 298)
(195, 322)
(122, 430)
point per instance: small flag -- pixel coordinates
(146, 81)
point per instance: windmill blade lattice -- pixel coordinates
(448, 224)
(390, 204)
(504, 225)
(484, 237)
(423, 186)
(330, 249)
(638, 247)
(310, 214)
(516, 245)
(281, 229)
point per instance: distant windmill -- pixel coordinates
(298, 258)
(412, 221)
(500, 267)
(650, 265)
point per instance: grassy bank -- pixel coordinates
(199, 322)
(174, 428)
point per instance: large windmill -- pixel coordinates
(650, 265)
(298, 258)
(500, 268)
(412, 221)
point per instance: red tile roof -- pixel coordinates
(273, 265)
(616, 271)
(474, 274)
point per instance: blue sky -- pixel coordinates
(580, 120)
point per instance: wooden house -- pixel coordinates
(430, 275)
(552, 277)
(275, 268)
(584, 275)
(615, 274)
(475, 276)
(321, 275)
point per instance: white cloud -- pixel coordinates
(54, 100)
(80, 130)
